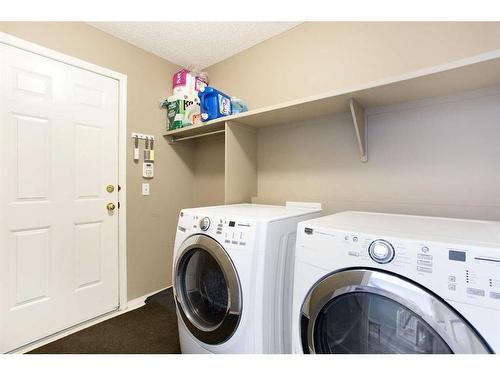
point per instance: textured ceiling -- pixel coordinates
(194, 45)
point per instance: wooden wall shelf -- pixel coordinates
(468, 74)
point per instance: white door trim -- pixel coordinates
(122, 142)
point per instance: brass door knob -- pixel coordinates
(110, 206)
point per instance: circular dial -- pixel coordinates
(381, 251)
(204, 224)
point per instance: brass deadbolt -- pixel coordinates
(110, 206)
(110, 188)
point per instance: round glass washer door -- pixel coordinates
(364, 311)
(207, 290)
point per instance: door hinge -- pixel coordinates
(118, 205)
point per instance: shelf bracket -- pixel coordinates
(359, 122)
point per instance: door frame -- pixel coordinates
(122, 142)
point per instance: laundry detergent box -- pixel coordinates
(182, 111)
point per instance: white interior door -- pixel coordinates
(58, 152)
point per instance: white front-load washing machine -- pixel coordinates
(383, 283)
(232, 277)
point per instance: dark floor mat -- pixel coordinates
(150, 329)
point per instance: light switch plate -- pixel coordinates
(145, 188)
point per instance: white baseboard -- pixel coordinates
(131, 305)
(139, 301)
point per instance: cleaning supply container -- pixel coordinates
(182, 110)
(238, 105)
(213, 104)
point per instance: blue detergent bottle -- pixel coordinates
(213, 104)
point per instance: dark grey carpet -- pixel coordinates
(151, 329)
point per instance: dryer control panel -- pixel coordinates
(469, 274)
(229, 232)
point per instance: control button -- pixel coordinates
(204, 224)
(452, 287)
(381, 251)
(425, 249)
(219, 232)
(227, 241)
(424, 262)
(346, 238)
(353, 253)
(495, 295)
(243, 243)
(424, 269)
(234, 242)
(475, 292)
(424, 256)
(452, 279)
(355, 239)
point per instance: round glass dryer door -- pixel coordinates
(373, 312)
(207, 290)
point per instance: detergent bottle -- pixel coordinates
(213, 104)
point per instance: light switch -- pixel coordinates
(145, 188)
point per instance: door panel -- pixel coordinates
(58, 152)
(33, 157)
(29, 82)
(88, 160)
(29, 256)
(88, 254)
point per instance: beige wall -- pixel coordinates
(208, 171)
(321, 56)
(431, 158)
(151, 221)
(438, 157)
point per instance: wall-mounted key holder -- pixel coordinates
(143, 136)
(148, 146)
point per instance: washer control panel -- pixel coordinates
(229, 232)
(462, 273)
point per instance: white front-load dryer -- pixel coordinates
(232, 277)
(383, 283)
